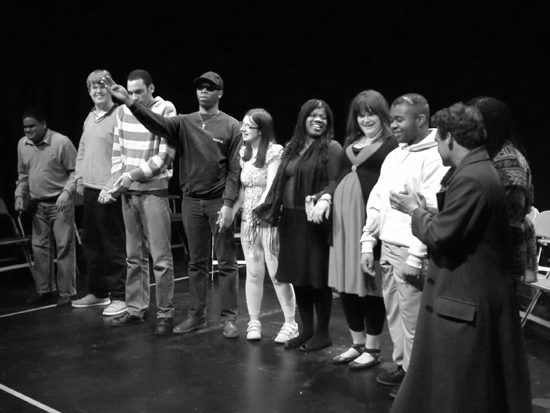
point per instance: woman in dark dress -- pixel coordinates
(308, 171)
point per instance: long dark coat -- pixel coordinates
(468, 354)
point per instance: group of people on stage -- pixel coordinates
(425, 228)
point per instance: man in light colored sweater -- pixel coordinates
(414, 165)
(103, 234)
(45, 164)
(141, 168)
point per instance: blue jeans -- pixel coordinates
(199, 222)
(104, 246)
(45, 220)
(148, 231)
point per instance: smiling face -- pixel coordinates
(99, 94)
(316, 123)
(369, 123)
(404, 124)
(34, 130)
(139, 92)
(250, 131)
(208, 95)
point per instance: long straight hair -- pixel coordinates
(298, 140)
(263, 120)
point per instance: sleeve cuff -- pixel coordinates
(414, 261)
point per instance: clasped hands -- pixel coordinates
(407, 201)
(320, 211)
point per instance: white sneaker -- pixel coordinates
(254, 330)
(115, 308)
(287, 332)
(90, 301)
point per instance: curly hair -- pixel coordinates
(263, 120)
(464, 123)
(298, 140)
(368, 101)
(499, 124)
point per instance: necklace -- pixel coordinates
(202, 120)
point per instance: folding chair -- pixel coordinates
(533, 213)
(214, 261)
(18, 239)
(542, 285)
(176, 218)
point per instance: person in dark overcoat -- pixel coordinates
(469, 353)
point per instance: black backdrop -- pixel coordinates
(277, 56)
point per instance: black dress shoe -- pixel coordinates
(40, 298)
(316, 344)
(64, 300)
(128, 319)
(165, 326)
(189, 325)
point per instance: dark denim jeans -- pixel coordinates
(104, 246)
(199, 222)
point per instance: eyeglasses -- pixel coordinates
(248, 126)
(208, 87)
(95, 88)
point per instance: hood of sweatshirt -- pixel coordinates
(426, 143)
(157, 100)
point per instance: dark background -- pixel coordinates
(277, 55)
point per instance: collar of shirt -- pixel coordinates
(47, 139)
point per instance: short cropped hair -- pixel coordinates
(95, 77)
(464, 123)
(35, 114)
(417, 102)
(141, 74)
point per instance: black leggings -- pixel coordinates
(361, 312)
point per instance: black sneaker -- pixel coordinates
(391, 378)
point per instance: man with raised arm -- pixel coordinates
(141, 168)
(208, 141)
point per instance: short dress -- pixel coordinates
(254, 179)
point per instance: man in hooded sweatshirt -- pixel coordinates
(414, 166)
(141, 168)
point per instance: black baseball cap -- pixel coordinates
(210, 77)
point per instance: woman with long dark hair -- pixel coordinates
(260, 159)
(369, 140)
(508, 156)
(308, 170)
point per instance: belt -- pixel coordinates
(49, 200)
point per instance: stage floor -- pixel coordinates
(70, 360)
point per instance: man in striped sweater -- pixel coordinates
(141, 168)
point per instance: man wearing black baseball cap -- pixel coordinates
(209, 142)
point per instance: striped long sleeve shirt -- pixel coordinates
(145, 156)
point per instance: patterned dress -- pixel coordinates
(515, 175)
(254, 182)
